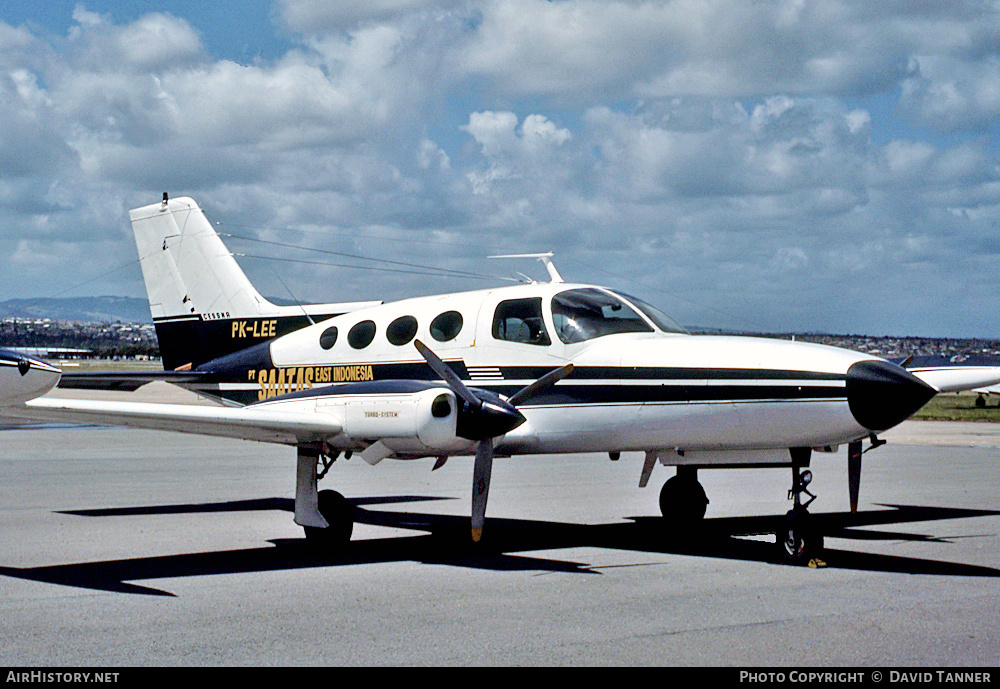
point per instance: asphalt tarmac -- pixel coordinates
(139, 548)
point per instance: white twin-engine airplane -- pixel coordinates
(530, 369)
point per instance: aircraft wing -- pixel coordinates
(246, 423)
(956, 374)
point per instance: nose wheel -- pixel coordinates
(799, 541)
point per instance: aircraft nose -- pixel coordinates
(881, 394)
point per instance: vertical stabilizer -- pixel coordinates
(202, 303)
(187, 268)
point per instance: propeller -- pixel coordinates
(854, 453)
(483, 416)
(854, 472)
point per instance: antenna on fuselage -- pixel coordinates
(545, 258)
(295, 299)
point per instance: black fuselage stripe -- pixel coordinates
(586, 385)
(669, 373)
(421, 371)
(641, 394)
(581, 394)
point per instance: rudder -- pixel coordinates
(187, 268)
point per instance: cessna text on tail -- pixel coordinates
(535, 368)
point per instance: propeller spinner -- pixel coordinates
(484, 416)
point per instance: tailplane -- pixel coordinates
(202, 303)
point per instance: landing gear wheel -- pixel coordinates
(798, 541)
(339, 513)
(683, 503)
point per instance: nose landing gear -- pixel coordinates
(799, 541)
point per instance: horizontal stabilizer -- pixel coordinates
(125, 380)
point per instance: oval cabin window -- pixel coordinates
(446, 326)
(361, 334)
(328, 338)
(401, 330)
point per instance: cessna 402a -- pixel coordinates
(528, 369)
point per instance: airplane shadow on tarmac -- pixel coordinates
(444, 540)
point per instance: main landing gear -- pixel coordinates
(326, 516)
(339, 514)
(683, 503)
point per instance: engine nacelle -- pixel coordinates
(411, 419)
(423, 422)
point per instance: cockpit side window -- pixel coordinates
(660, 319)
(520, 320)
(583, 314)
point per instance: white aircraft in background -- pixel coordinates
(531, 369)
(957, 373)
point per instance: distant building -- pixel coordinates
(52, 352)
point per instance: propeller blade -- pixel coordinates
(485, 416)
(854, 472)
(446, 374)
(543, 383)
(481, 486)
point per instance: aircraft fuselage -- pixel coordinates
(639, 382)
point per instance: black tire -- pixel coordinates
(339, 513)
(683, 502)
(798, 541)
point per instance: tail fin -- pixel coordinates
(187, 268)
(202, 303)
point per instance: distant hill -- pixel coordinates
(89, 309)
(86, 309)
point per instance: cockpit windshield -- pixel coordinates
(662, 320)
(583, 314)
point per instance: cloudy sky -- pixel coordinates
(775, 165)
